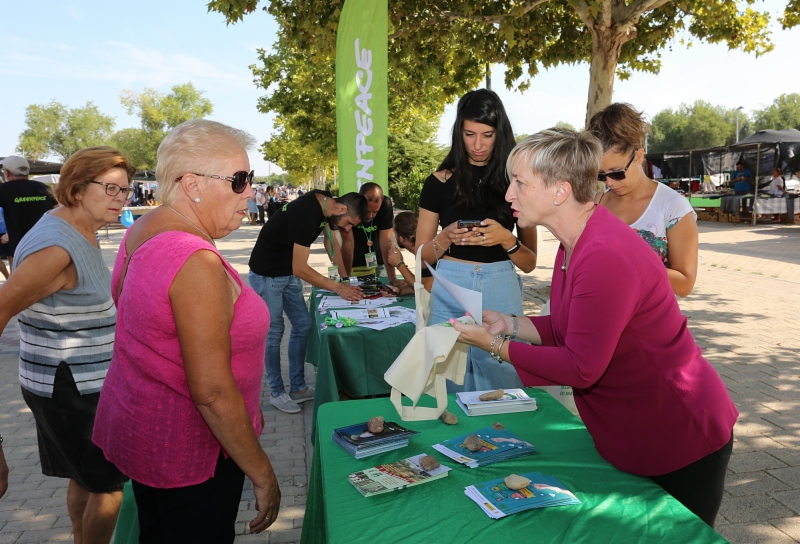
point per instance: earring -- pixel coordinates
(197, 200)
(555, 203)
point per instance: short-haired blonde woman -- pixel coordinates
(60, 289)
(180, 413)
(662, 217)
(654, 406)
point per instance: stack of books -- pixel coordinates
(498, 501)
(394, 476)
(360, 443)
(514, 400)
(495, 446)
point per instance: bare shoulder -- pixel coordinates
(443, 175)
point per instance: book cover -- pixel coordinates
(394, 476)
(494, 442)
(511, 396)
(497, 500)
(360, 437)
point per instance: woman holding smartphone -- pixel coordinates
(483, 254)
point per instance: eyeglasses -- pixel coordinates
(617, 175)
(239, 180)
(114, 190)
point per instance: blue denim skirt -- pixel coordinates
(502, 291)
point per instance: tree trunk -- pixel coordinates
(606, 47)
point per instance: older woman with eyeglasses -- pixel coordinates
(180, 413)
(60, 289)
(654, 406)
(662, 217)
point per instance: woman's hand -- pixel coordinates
(268, 502)
(497, 323)
(394, 257)
(474, 335)
(491, 233)
(351, 292)
(456, 235)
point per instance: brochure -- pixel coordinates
(514, 400)
(360, 443)
(496, 446)
(394, 476)
(498, 501)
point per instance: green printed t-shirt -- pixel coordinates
(24, 202)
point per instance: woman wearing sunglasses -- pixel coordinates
(180, 413)
(662, 217)
(653, 405)
(60, 289)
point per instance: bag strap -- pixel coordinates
(420, 413)
(418, 265)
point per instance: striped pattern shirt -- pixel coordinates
(73, 326)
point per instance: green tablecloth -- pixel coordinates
(616, 506)
(353, 358)
(705, 202)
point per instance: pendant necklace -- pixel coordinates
(201, 231)
(572, 246)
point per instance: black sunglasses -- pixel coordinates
(617, 175)
(239, 180)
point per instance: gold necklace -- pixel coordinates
(201, 231)
(572, 246)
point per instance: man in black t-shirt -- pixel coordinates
(367, 247)
(24, 201)
(279, 262)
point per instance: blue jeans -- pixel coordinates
(502, 291)
(284, 294)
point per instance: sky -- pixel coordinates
(91, 50)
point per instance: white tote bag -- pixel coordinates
(422, 297)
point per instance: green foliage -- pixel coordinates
(438, 48)
(413, 156)
(54, 129)
(159, 113)
(696, 126)
(784, 112)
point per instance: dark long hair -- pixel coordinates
(481, 106)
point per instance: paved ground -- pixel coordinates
(744, 312)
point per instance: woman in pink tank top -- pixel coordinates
(180, 410)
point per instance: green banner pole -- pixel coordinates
(361, 94)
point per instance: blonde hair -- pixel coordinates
(560, 154)
(198, 146)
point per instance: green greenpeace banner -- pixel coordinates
(361, 94)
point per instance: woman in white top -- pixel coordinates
(661, 216)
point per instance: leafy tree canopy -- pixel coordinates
(784, 112)
(696, 126)
(55, 130)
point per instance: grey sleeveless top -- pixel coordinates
(75, 326)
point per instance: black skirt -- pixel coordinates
(64, 429)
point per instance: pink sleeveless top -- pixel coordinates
(146, 422)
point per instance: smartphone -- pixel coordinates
(468, 223)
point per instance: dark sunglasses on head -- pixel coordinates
(617, 175)
(239, 180)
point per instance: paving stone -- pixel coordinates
(753, 461)
(753, 533)
(750, 483)
(753, 508)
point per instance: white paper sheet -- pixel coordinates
(339, 302)
(366, 314)
(471, 301)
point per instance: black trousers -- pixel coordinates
(699, 486)
(260, 214)
(197, 514)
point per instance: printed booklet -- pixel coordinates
(394, 476)
(360, 443)
(498, 501)
(514, 400)
(496, 446)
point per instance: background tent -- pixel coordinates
(43, 167)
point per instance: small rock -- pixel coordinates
(492, 395)
(497, 426)
(448, 418)
(516, 482)
(375, 425)
(428, 463)
(472, 442)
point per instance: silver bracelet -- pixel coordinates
(497, 356)
(491, 347)
(435, 245)
(515, 324)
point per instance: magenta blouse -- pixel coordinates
(146, 422)
(615, 333)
